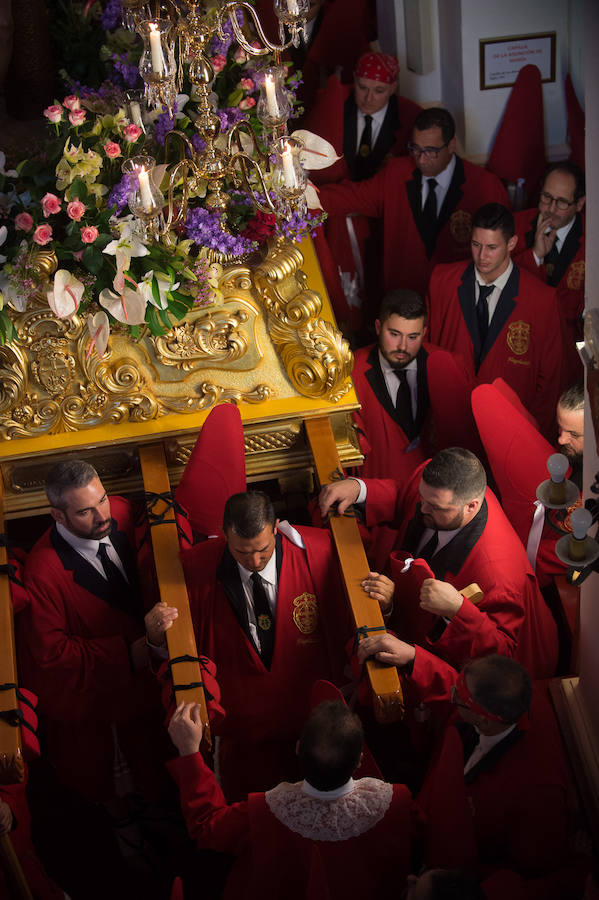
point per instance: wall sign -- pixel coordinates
(502, 58)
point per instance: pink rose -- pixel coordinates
(240, 55)
(23, 222)
(218, 62)
(50, 205)
(247, 103)
(247, 84)
(53, 113)
(42, 235)
(112, 149)
(131, 133)
(72, 102)
(89, 234)
(76, 210)
(77, 117)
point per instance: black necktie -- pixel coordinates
(429, 548)
(114, 576)
(365, 145)
(482, 311)
(264, 620)
(429, 210)
(403, 402)
(551, 261)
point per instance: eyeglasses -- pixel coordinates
(427, 152)
(560, 202)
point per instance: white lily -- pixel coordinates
(12, 173)
(10, 294)
(126, 246)
(66, 294)
(129, 306)
(99, 330)
(165, 284)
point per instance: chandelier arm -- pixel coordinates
(181, 168)
(234, 135)
(241, 161)
(230, 9)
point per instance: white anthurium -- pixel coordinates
(3, 236)
(99, 331)
(128, 307)
(11, 295)
(12, 173)
(316, 152)
(127, 245)
(66, 294)
(311, 195)
(165, 284)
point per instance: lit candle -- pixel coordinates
(288, 169)
(136, 114)
(156, 50)
(144, 189)
(271, 97)
(292, 7)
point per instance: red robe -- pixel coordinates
(569, 289)
(266, 708)
(395, 195)
(523, 345)
(73, 652)
(275, 859)
(511, 809)
(512, 617)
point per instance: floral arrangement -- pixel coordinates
(73, 200)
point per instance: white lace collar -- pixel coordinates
(331, 819)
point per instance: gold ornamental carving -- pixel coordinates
(265, 340)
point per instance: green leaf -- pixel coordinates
(79, 189)
(153, 321)
(92, 259)
(164, 315)
(235, 97)
(155, 291)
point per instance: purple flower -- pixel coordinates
(119, 195)
(163, 125)
(203, 226)
(111, 17)
(128, 73)
(197, 143)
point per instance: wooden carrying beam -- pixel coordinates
(19, 889)
(384, 680)
(12, 769)
(165, 545)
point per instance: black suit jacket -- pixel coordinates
(360, 167)
(452, 198)
(376, 379)
(503, 310)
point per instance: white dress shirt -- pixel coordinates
(560, 236)
(500, 283)
(88, 549)
(443, 180)
(377, 120)
(269, 581)
(392, 381)
(485, 744)
(346, 788)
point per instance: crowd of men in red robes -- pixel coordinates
(479, 314)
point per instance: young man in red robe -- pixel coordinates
(501, 320)
(269, 609)
(453, 525)
(551, 245)
(424, 223)
(326, 836)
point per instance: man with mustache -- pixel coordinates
(82, 638)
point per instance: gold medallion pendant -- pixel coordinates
(264, 622)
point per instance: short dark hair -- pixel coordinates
(330, 745)
(500, 685)
(495, 217)
(459, 471)
(66, 475)
(454, 884)
(248, 513)
(569, 168)
(405, 303)
(572, 398)
(436, 117)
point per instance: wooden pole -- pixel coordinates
(384, 680)
(186, 674)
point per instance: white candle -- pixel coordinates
(288, 169)
(292, 7)
(136, 114)
(156, 50)
(271, 97)
(144, 189)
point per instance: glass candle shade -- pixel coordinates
(290, 11)
(289, 178)
(157, 63)
(273, 104)
(136, 108)
(145, 198)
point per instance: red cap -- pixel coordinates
(378, 67)
(519, 147)
(516, 451)
(449, 389)
(215, 470)
(576, 124)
